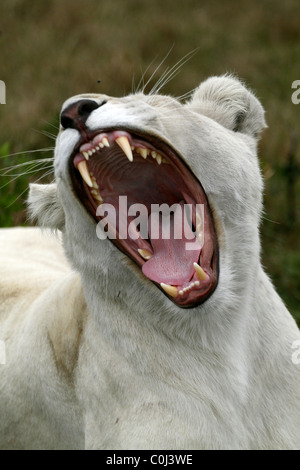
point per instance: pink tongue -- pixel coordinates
(172, 262)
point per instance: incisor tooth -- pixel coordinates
(84, 171)
(199, 271)
(123, 142)
(170, 290)
(145, 254)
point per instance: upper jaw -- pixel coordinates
(138, 148)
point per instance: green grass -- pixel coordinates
(53, 49)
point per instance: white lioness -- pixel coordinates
(140, 342)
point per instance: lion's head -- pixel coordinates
(199, 158)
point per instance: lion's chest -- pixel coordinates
(129, 407)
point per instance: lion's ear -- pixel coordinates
(45, 207)
(226, 100)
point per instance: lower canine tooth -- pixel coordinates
(145, 254)
(199, 272)
(84, 171)
(170, 290)
(123, 142)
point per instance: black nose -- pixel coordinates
(75, 115)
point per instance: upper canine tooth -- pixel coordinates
(158, 158)
(86, 155)
(84, 171)
(145, 254)
(199, 272)
(170, 290)
(123, 142)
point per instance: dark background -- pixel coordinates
(53, 49)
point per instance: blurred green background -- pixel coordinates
(53, 49)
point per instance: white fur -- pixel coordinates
(99, 358)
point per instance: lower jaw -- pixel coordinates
(195, 290)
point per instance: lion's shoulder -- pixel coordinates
(29, 260)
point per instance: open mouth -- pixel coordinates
(153, 209)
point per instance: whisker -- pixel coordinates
(21, 194)
(173, 71)
(32, 169)
(38, 161)
(157, 68)
(133, 85)
(50, 149)
(29, 171)
(186, 95)
(143, 76)
(50, 124)
(46, 133)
